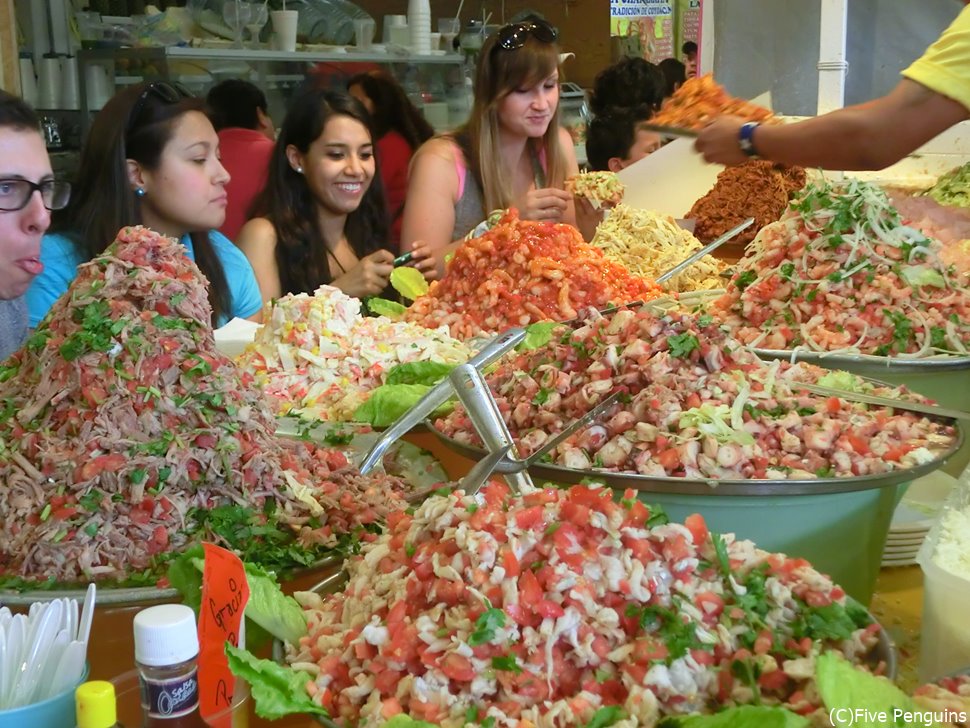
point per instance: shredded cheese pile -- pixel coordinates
(647, 244)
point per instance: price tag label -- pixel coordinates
(225, 592)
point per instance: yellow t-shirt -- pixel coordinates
(945, 66)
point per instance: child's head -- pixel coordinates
(629, 83)
(616, 139)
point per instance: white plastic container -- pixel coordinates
(945, 633)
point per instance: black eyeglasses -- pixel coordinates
(16, 193)
(512, 37)
(169, 93)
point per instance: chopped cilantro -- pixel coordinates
(787, 270)
(606, 716)
(705, 320)
(745, 279)
(490, 621)
(720, 548)
(542, 396)
(506, 663)
(681, 345)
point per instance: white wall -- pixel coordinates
(773, 45)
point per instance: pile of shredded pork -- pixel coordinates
(125, 436)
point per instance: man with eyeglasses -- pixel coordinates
(28, 192)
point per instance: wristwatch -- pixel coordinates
(746, 138)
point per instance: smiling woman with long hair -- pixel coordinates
(323, 218)
(511, 153)
(151, 158)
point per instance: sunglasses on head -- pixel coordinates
(168, 93)
(512, 37)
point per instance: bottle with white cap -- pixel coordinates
(166, 653)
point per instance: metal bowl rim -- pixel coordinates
(888, 363)
(726, 487)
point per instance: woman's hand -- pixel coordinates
(423, 259)
(545, 205)
(588, 217)
(369, 277)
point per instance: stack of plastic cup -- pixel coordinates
(419, 24)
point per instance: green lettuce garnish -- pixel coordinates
(714, 420)
(922, 275)
(743, 716)
(844, 688)
(387, 403)
(382, 307)
(409, 282)
(538, 335)
(846, 381)
(279, 615)
(277, 691)
(427, 373)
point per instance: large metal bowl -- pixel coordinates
(665, 485)
(884, 651)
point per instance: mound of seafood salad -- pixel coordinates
(126, 436)
(841, 272)
(694, 403)
(552, 607)
(319, 357)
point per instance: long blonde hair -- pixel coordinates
(500, 72)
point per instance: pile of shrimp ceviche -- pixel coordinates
(694, 403)
(555, 607)
(841, 272)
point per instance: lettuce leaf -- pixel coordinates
(268, 608)
(388, 402)
(538, 335)
(838, 379)
(744, 716)
(277, 691)
(278, 614)
(382, 307)
(427, 373)
(922, 275)
(844, 687)
(409, 282)
(406, 721)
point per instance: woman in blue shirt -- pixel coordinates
(151, 158)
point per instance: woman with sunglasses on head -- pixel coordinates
(151, 158)
(511, 153)
(25, 170)
(324, 220)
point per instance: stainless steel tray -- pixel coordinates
(884, 650)
(131, 596)
(715, 486)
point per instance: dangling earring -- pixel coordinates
(139, 191)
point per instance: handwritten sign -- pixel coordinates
(225, 592)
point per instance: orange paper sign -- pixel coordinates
(225, 592)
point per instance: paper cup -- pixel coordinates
(364, 32)
(284, 26)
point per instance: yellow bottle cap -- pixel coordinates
(95, 701)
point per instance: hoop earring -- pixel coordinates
(139, 192)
